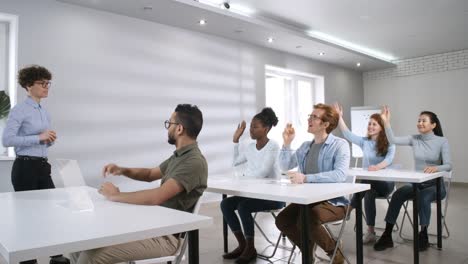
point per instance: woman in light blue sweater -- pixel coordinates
(431, 154)
(377, 155)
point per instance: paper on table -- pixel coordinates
(70, 173)
(79, 200)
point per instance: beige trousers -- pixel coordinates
(138, 250)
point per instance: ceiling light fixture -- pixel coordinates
(298, 46)
(147, 8)
(233, 7)
(351, 46)
(270, 40)
(322, 53)
(202, 22)
(358, 64)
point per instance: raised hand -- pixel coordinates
(385, 114)
(239, 131)
(111, 169)
(339, 109)
(288, 134)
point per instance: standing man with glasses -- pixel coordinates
(184, 178)
(28, 131)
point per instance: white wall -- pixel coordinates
(116, 79)
(439, 86)
(3, 58)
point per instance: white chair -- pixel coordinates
(447, 182)
(337, 238)
(275, 245)
(179, 255)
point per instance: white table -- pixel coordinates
(303, 194)
(50, 222)
(409, 177)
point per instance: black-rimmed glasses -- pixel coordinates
(168, 123)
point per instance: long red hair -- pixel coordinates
(382, 141)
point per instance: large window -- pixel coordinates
(292, 95)
(8, 68)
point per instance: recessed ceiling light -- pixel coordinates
(270, 40)
(147, 8)
(358, 64)
(322, 53)
(298, 46)
(238, 31)
(202, 22)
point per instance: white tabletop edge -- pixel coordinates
(355, 188)
(396, 175)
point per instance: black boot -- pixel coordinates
(249, 253)
(385, 241)
(238, 251)
(423, 239)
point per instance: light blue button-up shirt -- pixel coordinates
(333, 162)
(25, 122)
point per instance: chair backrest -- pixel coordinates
(184, 237)
(448, 183)
(196, 208)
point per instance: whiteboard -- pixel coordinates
(359, 119)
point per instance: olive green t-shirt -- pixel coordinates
(188, 167)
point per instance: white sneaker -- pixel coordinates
(369, 237)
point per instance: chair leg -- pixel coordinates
(276, 245)
(406, 214)
(292, 253)
(262, 232)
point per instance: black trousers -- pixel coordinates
(27, 175)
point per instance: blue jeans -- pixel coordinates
(427, 194)
(378, 189)
(245, 208)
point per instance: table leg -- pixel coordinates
(305, 234)
(415, 224)
(359, 247)
(194, 257)
(225, 231)
(439, 212)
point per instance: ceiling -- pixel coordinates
(371, 32)
(402, 28)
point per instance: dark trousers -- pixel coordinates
(245, 207)
(27, 175)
